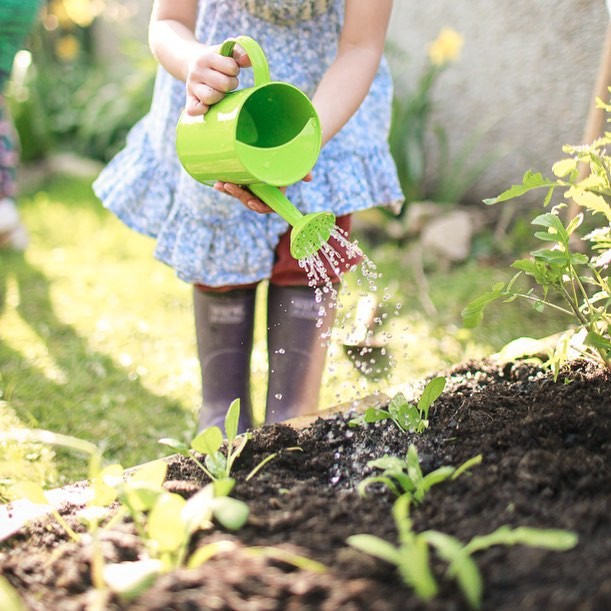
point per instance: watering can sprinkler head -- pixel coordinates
(310, 233)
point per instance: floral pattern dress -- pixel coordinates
(211, 238)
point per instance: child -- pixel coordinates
(330, 49)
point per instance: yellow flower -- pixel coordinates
(67, 48)
(446, 47)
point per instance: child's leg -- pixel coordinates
(297, 336)
(297, 341)
(224, 325)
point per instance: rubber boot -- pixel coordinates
(297, 342)
(224, 324)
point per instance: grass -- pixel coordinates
(97, 336)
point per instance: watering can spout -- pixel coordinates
(309, 231)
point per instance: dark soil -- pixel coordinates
(546, 450)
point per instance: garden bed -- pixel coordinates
(546, 463)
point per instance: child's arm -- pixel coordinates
(347, 81)
(207, 74)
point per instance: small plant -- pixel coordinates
(579, 279)
(164, 521)
(404, 475)
(217, 466)
(408, 417)
(411, 555)
(412, 115)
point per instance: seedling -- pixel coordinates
(404, 476)
(580, 280)
(411, 555)
(217, 466)
(408, 417)
(209, 442)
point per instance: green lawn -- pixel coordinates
(96, 337)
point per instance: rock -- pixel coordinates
(448, 236)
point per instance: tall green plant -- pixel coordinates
(580, 280)
(412, 115)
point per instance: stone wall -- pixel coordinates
(526, 76)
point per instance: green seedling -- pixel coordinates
(404, 475)
(412, 558)
(206, 552)
(579, 279)
(408, 417)
(217, 466)
(167, 531)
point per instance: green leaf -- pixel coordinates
(152, 473)
(217, 465)
(530, 180)
(462, 567)
(436, 477)
(387, 462)
(232, 420)
(32, 492)
(197, 511)
(223, 486)
(592, 201)
(106, 485)
(431, 393)
(208, 441)
(164, 525)
(564, 166)
(598, 341)
(558, 540)
(130, 579)
(374, 546)
(473, 313)
(179, 446)
(230, 513)
(206, 552)
(552, 221)
(373, 414)
(476, 460)
(380, 479)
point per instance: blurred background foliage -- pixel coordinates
(65, 95)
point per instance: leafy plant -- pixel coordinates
(412, 114)
(209, 442)
(404, 476)
(579, 279)
(412, 559)
(408, 417)
(163, 520)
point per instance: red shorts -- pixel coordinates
(286, 270)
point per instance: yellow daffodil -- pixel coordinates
(446, 47)
(67, 48)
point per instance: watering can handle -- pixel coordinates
(255, 53)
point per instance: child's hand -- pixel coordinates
(210, 76)
(246, 197)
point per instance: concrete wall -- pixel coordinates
(526, 74)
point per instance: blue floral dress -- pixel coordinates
(211, 238)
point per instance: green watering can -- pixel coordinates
(266, 136)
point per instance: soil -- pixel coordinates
(546, 450)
